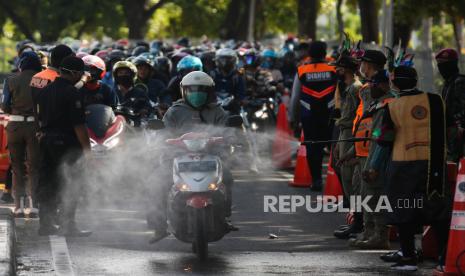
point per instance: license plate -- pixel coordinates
(200, 166)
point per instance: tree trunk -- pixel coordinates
(369, 20)
(457, 23)
(236, 20)
(138, 13)
(340, 21)
(307, 14)
(402, 33)
(17, 20)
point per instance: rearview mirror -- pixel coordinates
(234, 121)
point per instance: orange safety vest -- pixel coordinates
(316, 72)
(41, 79)
(362, 127)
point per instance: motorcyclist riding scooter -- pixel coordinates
(197, 108)
(94, 90)
(186, 65)
(125, 74)
(229, 82)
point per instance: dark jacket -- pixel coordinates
(17, 95)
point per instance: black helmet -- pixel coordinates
(139, 50)
(251, 58)
(116, 55)
(163, 65)
(141, 60)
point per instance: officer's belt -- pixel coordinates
(20, 118)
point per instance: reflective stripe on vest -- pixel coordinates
(317, 94)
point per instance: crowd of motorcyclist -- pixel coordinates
(145, 77)
(188, 85)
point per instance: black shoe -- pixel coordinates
(392, 257)
(343, 226)
(159, 235)
(345, 233)
(73, 231)
(48, 230)
(403, 264)
(7, 198)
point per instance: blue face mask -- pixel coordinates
(197, 99)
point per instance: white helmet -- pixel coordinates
(226, 52)
(197, 89)
(197, 78)
(226, 59)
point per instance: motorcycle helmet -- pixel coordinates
(139, 50)
(81, 54)
(251, 58)
(208, 60)
(113, 57)
(125, 64)
(163, 65)
(197, 88)
(268, 58)
(95, 66)
(189, 63)
(103, 54)
(226, 59)
(141, 60)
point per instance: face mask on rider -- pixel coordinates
(125, 80)
(196, 99)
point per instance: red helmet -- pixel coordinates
(103, 53)
(81, 54)
(95, 61)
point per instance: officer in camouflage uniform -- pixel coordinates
(347, 101)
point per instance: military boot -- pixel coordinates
(380, 239)
(368, 231)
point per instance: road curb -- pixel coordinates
(7, 243)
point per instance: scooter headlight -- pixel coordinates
(183, 187)
(212, 187)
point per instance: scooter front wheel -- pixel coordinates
(200, 246)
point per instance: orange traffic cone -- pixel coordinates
(455, 260)
(302, 176)
(333, 186)
(281, 151)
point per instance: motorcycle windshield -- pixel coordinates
(99, 118)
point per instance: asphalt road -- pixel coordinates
(119, 245)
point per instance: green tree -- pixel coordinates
(47, 20)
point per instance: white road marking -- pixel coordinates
(60, 256)
(4, 249)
